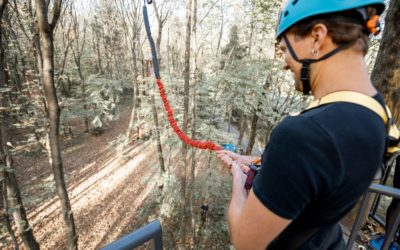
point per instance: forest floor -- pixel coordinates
(107, 188)
(115, 190)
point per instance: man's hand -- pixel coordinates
(236, 163)
(243, 159)
(239, 173)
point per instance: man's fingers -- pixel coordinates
(226, 159)
(236, 169)
(244, 168)
(231, 154)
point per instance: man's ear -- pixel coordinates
(319, 35)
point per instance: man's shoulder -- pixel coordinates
(297, 126)
(323, 122)
(335, 115)
(341, 111)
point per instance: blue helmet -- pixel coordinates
(297, 10)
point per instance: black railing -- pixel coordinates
(151, 231)
(380, 190)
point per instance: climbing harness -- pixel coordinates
(254, 168)
(393, 134)
(197, 144)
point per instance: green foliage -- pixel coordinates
(267, 13)
(104, 94)
(233, 50)
(171, 196)
(213, 185)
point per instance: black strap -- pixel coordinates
(306, 63)
(305, 76)
(326, 56)
(303, 237)
(151, 41)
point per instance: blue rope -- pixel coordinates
(152, 45)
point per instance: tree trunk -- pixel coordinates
(185, 118)
(6, 216)
(253, 131)
(242, 129)
(153, 102)
(221, 29)
(159, 34)
(187, 74)
(16, 205)
(77, 54)
(386, 72)
(47, 54)
(3, 4)
(96, 45)
(85, 105)
(12, 191)
(157, 127)
(252, 26)
(135, 89)
(230, 110)
(14, 36)
(193, 133)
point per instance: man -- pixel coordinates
(317, 164)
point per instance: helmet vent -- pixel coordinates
(286, 13)
(294, 2)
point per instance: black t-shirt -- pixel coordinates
(317, 165)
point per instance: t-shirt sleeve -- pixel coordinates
(293, 173)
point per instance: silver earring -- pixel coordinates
(315, 52)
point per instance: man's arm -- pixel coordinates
(244, 159)
(252, 225)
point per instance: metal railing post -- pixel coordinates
(151, 231)
(357, 224)
(382, 190)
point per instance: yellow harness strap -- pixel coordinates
(367, 102)
(393, 130)
(353, 97)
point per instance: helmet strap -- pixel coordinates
(306, 63)
(305, 76)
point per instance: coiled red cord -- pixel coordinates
(197, 144)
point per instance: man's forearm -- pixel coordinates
(239, 196)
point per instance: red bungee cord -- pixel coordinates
(197, 144)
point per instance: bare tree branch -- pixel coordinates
(3, 4)
(55, 13)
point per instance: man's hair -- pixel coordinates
(345, 28)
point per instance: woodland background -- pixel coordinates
(86, 151)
